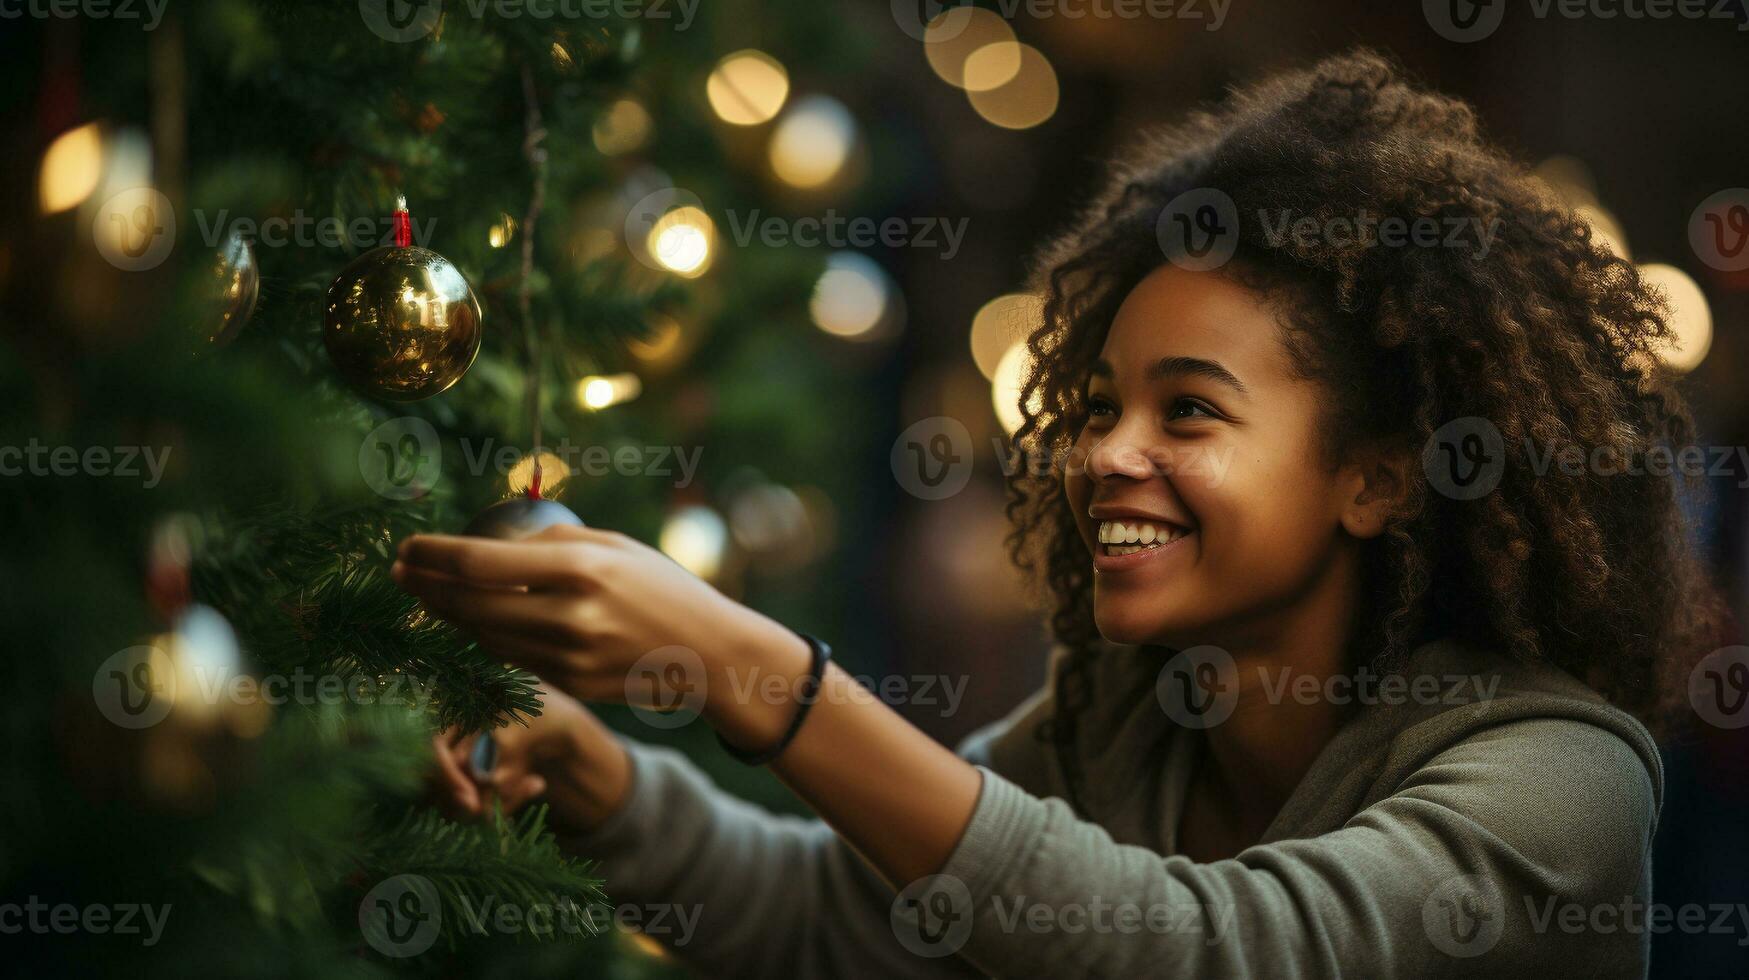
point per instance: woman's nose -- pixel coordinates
(1116, 457)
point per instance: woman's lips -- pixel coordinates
(1103, 561)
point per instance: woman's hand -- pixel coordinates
(565, 752)
(606, 618)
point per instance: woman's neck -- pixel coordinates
(1280, 721)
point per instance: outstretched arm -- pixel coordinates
(585, 608)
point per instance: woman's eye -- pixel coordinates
(1189, 408)
(1100, 407)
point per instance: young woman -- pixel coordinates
(1322, 705)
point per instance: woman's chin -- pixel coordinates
(1131, 627)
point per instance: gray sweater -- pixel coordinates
(1494, 821)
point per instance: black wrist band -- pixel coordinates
(807, 693)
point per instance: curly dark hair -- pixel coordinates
(1546, 334)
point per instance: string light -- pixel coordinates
(747, 88)
(1005, 389)
(599, 391)
(852, 297)
(624, 127)
(992, 66)
(999, 325)
(71, 168)
(957, 33)
(681, 241)
(813, 142)
(697, 539)
(501, 232)
(1691, 318)
(1025, 100)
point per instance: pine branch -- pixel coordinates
(478, 868)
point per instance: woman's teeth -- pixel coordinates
(1129, 537)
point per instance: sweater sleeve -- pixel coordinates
(1518, 852)
(735, 890)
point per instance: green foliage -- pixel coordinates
(263, 839)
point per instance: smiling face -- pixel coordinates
(1207, 502)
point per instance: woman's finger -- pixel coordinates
(460, 787)
(544, 616)
(516, 790)
(502, 564)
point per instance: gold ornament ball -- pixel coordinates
(236, 285)
(402, 323)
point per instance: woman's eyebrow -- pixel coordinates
(1179, 367)
(1196, 367)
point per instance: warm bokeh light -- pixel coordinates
(813, 142)
(747, 88)
(992, 66)
(956, 34)
(501, 232)
(663, 345)
(682, 241)
(999, 325)
(1005, 388)
(1605, 230)
(852, 296)
(553, 474)
(1570, 178)
(1027, 99)
(624, 127)
(71, 168)
(697, 539)
(1691, 318)
(599, 391)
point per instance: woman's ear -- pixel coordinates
(1375, 489)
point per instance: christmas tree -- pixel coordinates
(219, 708)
